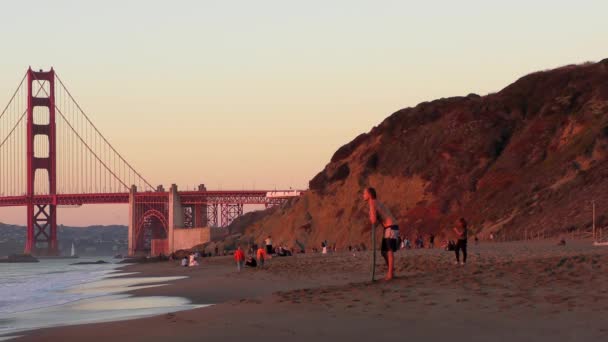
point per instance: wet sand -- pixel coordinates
(519, 291)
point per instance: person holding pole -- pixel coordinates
(379, 213)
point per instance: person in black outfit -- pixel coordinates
(461, 231)
(251, 262)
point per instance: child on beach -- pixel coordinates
(378, 213)
(261, 255)
(239, 257)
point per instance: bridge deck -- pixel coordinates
(186, 197)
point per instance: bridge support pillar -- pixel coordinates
(41, 219)
(200, 211)
(200, 215)
(176, 215)
(133, 218)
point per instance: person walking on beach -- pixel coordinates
(239, 257)
(379, 213)
(261, 255)
(461, 231)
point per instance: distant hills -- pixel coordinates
(88, 241)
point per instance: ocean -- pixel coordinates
(55, 293)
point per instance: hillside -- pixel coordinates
(527, 159)
(91, 240)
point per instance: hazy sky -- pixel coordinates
(241, 94)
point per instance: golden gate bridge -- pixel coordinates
(51, 155)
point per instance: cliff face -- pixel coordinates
(526, 159)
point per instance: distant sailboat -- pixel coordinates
(73, 254)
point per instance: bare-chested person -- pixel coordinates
(379, 213)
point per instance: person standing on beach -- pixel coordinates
(268, 242)
(461, 231)
(239, 257)
(432, 241)
(261, 255)
(379, 213)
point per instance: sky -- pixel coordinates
(260, 94)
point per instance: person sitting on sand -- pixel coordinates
(379, 213)
(261, 255)
(192, 262)
(251, 262)
(239, 257)
(461, 231)
(185, 261)
(562, 242)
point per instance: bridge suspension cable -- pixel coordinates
(13, 143)
(86, 162)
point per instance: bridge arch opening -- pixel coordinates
(41, 182)
(42, 115)
(152, 233)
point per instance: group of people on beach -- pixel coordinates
(380, 214)
(262, 252)
(190, 260)
(405, 243)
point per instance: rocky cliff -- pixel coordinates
(525, 160)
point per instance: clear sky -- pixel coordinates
(242, 94)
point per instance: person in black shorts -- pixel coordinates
(379, 213)
(461, 231)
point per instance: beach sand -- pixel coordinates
(517, 291)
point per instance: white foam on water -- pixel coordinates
(27, 286)
(55, 293)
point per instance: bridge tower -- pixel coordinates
(41, 218)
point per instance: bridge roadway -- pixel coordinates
(186, 197)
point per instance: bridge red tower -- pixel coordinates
(41, 218)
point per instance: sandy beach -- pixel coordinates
(518, 291)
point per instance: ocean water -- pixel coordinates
(54, 293)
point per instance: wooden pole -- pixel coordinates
(373, 254)
(594, 237)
